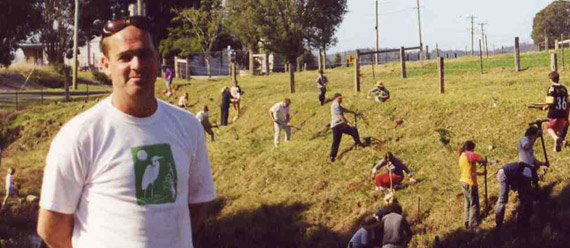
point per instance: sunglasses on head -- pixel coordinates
(115, 26)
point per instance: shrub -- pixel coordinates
(100, 77)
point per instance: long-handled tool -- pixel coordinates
(485, 180)
(539, 124)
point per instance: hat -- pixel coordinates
(527, 172)
(337, 95)
(379, 83)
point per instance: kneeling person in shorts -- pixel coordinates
(557, 99)
(394, 174)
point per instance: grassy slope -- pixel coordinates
(293, 197)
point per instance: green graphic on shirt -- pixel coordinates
(155, 174)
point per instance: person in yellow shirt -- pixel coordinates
(468, 179)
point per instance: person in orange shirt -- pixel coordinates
(468, 179)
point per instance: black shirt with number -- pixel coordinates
(559, 108)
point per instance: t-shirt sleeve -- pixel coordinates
(274, 108)
(378, 166)
(64, 175)
(337, 109)
(473, 157)
(201, 186)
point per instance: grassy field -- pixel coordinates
(292, 196)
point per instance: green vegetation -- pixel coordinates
(293, 197)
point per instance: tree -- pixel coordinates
(284, 25)
(326, 16)
(57, 28)
(550, 22)
(240, 14)
(16, 27)
(337, 59)
(203, 24)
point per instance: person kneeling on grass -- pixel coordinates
(204, 117)
(394, 174)
(557, 99)
(369, 235)
(468, 179)
(183, 101)
(380, 93)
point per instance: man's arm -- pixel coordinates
(55, 228)
(198, 215)
(271, 114)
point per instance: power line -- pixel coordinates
(472, 31)
(483, 33)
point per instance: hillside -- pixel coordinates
(292, 196)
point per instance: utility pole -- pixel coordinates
(75, 31)
(483, 32)
(420, 30)
(472, 31)
(377, 37)
(486, 46)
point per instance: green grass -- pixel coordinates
(293, 197)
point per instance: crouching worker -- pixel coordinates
(468, 179)
(204, 117)
(369, 235)
(522, 178)
(394, 174)
(380, 93)
(396, 230)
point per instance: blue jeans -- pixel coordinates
(503, 198)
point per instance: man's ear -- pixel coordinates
(106, 66)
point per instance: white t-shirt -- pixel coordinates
(9, 181)
(128, 181)
(280, 112)
(235, 91)
(202, 116)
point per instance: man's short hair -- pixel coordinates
(554, 76)
(287, 100)
(532, 130)
(369, 221)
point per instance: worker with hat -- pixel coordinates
(340, 125)
(380, 93)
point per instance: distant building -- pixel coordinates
(89, 55)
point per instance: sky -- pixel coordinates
(444, 22)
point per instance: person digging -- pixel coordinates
(340, 126)
(380, 93)
(394, 174)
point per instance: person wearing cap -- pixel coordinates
(322, 82)
(395, 169)
(95, 192)
(557, 99)
(520, 177)
(280, 116)
(369, 235)
(380, 93)
(340, 125)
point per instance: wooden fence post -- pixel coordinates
(562, 50)
(546, 47)
(553, 62)
(403, 62)
(176, 71)
(517, 55)
(427, 52)
(357, 71)
(440, 69)
(556, 45)
(188, 61)
(436, 51)
(481, 56)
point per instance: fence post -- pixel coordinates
(553, 62)
(546, 47)
(440, 69)
(481, 56)
(436, 51)
(176, 71)
(188, 61)
(427, 52)
(556, 45)
(42, 96)
(562, 50)
(357, 71)
(403, 62)
(517, 55)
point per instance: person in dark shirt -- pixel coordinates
(225, 106)
(322, 82)
(557, 99)
(394, 174)
(368, 236)
(522, 178)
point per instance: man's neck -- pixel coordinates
(135, 107)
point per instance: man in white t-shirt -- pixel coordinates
(280, 116)
(132, 171)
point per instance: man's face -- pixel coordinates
(131, 63)
(339, 99)
(286, 103)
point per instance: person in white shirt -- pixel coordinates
(203, 117)
(280, 116)
(10, 189)
(132, 171)
(237, 93)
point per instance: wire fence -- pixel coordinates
(21, 99)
